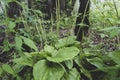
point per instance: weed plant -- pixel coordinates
(36, 51)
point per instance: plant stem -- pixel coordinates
(116, 9)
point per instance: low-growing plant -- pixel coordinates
(37, 53)
(63, 61)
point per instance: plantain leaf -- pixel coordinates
(97, 62)
(25, 59)
(73, 74)
(69, 64)
(115, 56)
(63, 54)
(8, 69)
(71, 40)
(11, 26)
(18, 42)
(29, 43)
(44, 70)
(1, 71)
(82, 69)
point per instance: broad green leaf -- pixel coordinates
(29, 43)
(18, 67)
(71, 40)
(69, 64)
(97, 62)
(44, 70)
(50, 50)
(1, 71)
(73, 74)
(63, 54)
(18, 42)
(18, 78)
(115, 56)
(114, 32)
(86, 73)
(82, 69)
(11, 25)
(24, 60)
(8, 69)
(110, 75)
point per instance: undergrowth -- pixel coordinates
(42, 49)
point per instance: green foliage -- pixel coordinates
(29, 43)
(8, 69)
(63, 63)
(11, 26)
(97, 62)
(64, 54)
(47, 63)
(112, 31)
(104, 14)
(68, 41)
(18, 42)
(44, 70)
(72, 74)
(24, 61)
(52, 58)
(115, 56)
(1, 71)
